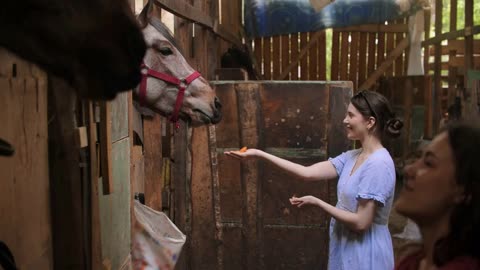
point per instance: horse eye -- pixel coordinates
(165, 51)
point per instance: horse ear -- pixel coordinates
(143, 16)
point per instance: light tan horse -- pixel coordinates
(166, 72)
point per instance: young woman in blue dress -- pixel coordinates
(359, 235)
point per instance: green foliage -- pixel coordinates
(446, 12)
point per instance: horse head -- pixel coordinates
(95, 45)
(165, 72)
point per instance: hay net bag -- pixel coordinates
(156, 242)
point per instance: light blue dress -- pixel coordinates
(374, 179)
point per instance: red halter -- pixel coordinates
(181, 84)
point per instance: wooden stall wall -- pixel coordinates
(257, 228)
(25, 224)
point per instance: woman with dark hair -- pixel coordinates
(441, 194)
(359, 235)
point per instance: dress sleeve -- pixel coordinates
(339, 162)
(377, 181)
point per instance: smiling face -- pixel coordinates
(430, 190)
(356, 125)
(200, 105)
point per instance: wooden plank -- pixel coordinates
(388, 62)
(248, 110)
(469, 99)
(335, 56)
(26, 223)
(66, 201)
(437, 68)
(106, 146)
(399, 67)
(276, 56)
(344, 57)
(390, 37)
(212, 147)
(380, 50)
(115, 209)
(294, 56)
(452, 80)
(353, 69)
(203, 229)
(285, 39)
(376, 28)
(152, 142)
(426, 54)
(267, 58)
(468, 31)
(458, 46)
(362, 58)
(371, 53)
(81, 137)
(181, 176)
(186, 11)
(258, 53)
(304, 58)
(322, 56)
(95, 238)
(453, 15)
(313, 59)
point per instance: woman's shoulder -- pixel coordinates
(381, 156)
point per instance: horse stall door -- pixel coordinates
(298, 121)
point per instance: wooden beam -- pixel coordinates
(386, 64)
(106, 146)
(437, 93)
(376, 28)
(468, 31)
(186, 11)
(96, 237)
(304, 50)
(458, 46)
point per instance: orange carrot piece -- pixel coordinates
(244, 149)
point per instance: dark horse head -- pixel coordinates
(95, 45)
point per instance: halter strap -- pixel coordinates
(181, 85)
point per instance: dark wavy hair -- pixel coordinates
(463, 237)
(373, 104)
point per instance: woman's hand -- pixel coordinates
(242, 155)
(305, 200)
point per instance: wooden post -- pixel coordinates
(468, 58)
(247, 100)
(96, 239)
(106, 146)
(437, 72)
(153, 161)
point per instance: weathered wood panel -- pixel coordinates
(68, 223)
(152, 127)
(256, 214)
(25, 225)
(115, 209)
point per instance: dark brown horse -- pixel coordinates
(95, 45)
